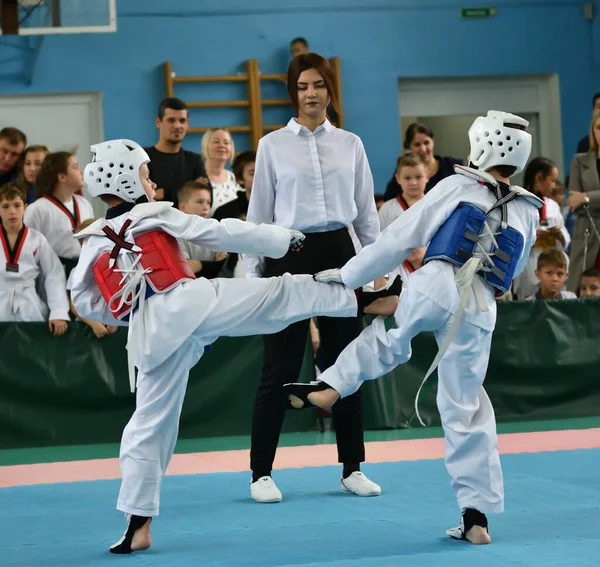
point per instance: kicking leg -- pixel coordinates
(148, 443)
(265, 306)
(467, 415)
(373, 354)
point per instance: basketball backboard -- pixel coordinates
(46, 17)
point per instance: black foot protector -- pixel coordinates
(124, 544)
(301, 390)
(365, 298)
(470, 518)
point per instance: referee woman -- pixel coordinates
(312, 177)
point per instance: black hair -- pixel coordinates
(240, 162)
(537, 165)
(414, 129)
(299, 40)
(172, 103)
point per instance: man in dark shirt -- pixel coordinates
(171, 166)
(12, 146)
(583, 146)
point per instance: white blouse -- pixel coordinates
(224, 192)
(312, 182)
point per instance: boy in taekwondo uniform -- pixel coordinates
(25, 256)
(131, 272)
(479, 231)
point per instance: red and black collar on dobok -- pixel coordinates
(543, 212)
(402, 202)
(118, 239)
(408, 266)
(73, 216)
(12, 254)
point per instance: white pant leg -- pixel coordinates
(468, 420)
(376, 352)
(265, 306)
(149, 438)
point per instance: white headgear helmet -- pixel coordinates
(494, 143)
(115, 170)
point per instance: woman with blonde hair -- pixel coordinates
(584, 201)
(218, 151)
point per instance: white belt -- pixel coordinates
(15, 290)
(133, 293)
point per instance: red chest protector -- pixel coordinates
(161, 264)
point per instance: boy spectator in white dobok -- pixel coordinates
(195, 198)
(25, 255)
(412, 177)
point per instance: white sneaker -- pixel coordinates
(264, 490)
(359, 484)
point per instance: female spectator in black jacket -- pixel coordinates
(419, 138)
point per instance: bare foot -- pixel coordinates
(383, 306)
(141, 538)
(476, 535)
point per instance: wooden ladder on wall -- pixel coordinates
(254, 101)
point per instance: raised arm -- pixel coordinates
(228, 235)
(413, 229)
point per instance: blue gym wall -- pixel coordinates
(378, 42)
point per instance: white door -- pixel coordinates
(63, 122)
(450, 104)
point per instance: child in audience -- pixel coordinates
(25, 256)
(195, 198)
(552, 275)
(243, 169)
(590, 283)
(412, 176)
(58, 211)
(540, 178)
(29, 168)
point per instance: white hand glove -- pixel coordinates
(329, 276)
(296, 239)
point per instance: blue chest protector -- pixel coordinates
(458, 240)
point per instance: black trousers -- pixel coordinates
(284, 354)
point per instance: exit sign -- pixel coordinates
(477, 12)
